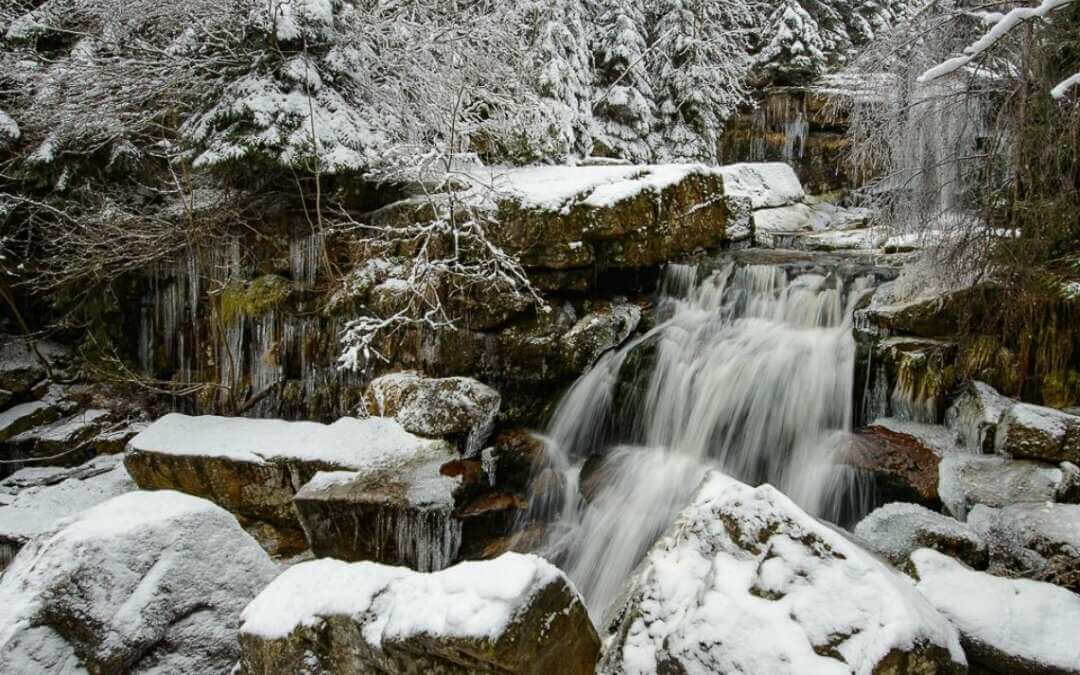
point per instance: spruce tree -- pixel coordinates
(623, 106)
(795, 52)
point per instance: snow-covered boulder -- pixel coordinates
(253, 467)
(897, 530)
(1041, 541)
(966, 480)
(456, 408)
(144, 582)
(745, 581)
(514, 614)
(765, 185)
(1014, 626)
(1035, 432)
(974, 415)
(46, 495)
(398, 511)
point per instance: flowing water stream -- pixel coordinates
(748, 371)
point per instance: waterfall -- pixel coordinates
(747, 370)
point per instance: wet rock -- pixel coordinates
(488, 520)
(974, 415)
(1006, 625)
(897, 530)
(966, 480)
(42, 496)
(518, 455)
(457, 408)
(398, 512)
(740, 563)
(1035, 432)
(1039, 541)
(253, 467)
(917, 373)
(598, 331)
(144, 582)
(514, 614)
(902, 458)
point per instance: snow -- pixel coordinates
(67, 430)
(1030, 620)
(557, 188)
(765, 184)
(471, 599)
(1026, 538)
(896, 530)
(348, 443)
(9, 130)
(33, 509)
(743, 562)
(159, 576)
(20, 412)
(1061, 87)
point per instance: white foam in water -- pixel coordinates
(753, 374)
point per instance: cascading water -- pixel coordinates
(747, 371)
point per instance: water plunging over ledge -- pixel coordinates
(747, 371)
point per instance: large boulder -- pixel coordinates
(966, 480)
(253, 467)
(745, 581)
(42, 496)
(897, 530)
(398, 511)
(514, 614)
(974, 415)
(1014, 626)
(1040, 541)
(901, 457)
(1035, 432)
(144, 582)
(456, 408)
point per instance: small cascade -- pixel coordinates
(749, 370)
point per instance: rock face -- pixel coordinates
(398, 511)
(897, 530)
(1040, 541)
(253, 467)
(967, 480)
(743, 563)
(1007, 625)
(42, 496)
(1036, 432)
(974, 416)
(144, 582)
(514, 614)
(457, 408)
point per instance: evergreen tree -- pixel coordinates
(624, 109)
(795, 53)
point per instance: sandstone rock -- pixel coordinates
(974, 415)
(1039, 541)
(1035, 432)
(46, 495)
(253, 467)
(897, 530)
(457, 408)
(745, 581)
(1006, 625)
(966, 480)
(902, 458)
(144, 582)
(397, 512)
(514, 614)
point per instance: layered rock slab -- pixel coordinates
(144, 582)
(739, 583)
(253, 467)
(1006, 625)
(514, 614)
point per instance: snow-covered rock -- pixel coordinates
(397, 512)
(514, 614)
(19, 418)
(897, 530)
(46, 495)
(20, 367)
(62, 437)
(253, 467)
(1036, 432)
(1040, 541)
(457, 408)
(974, 415)
(966, 480)
(765, 185)
(745, 581)
(1007, 625)
(144, 582)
